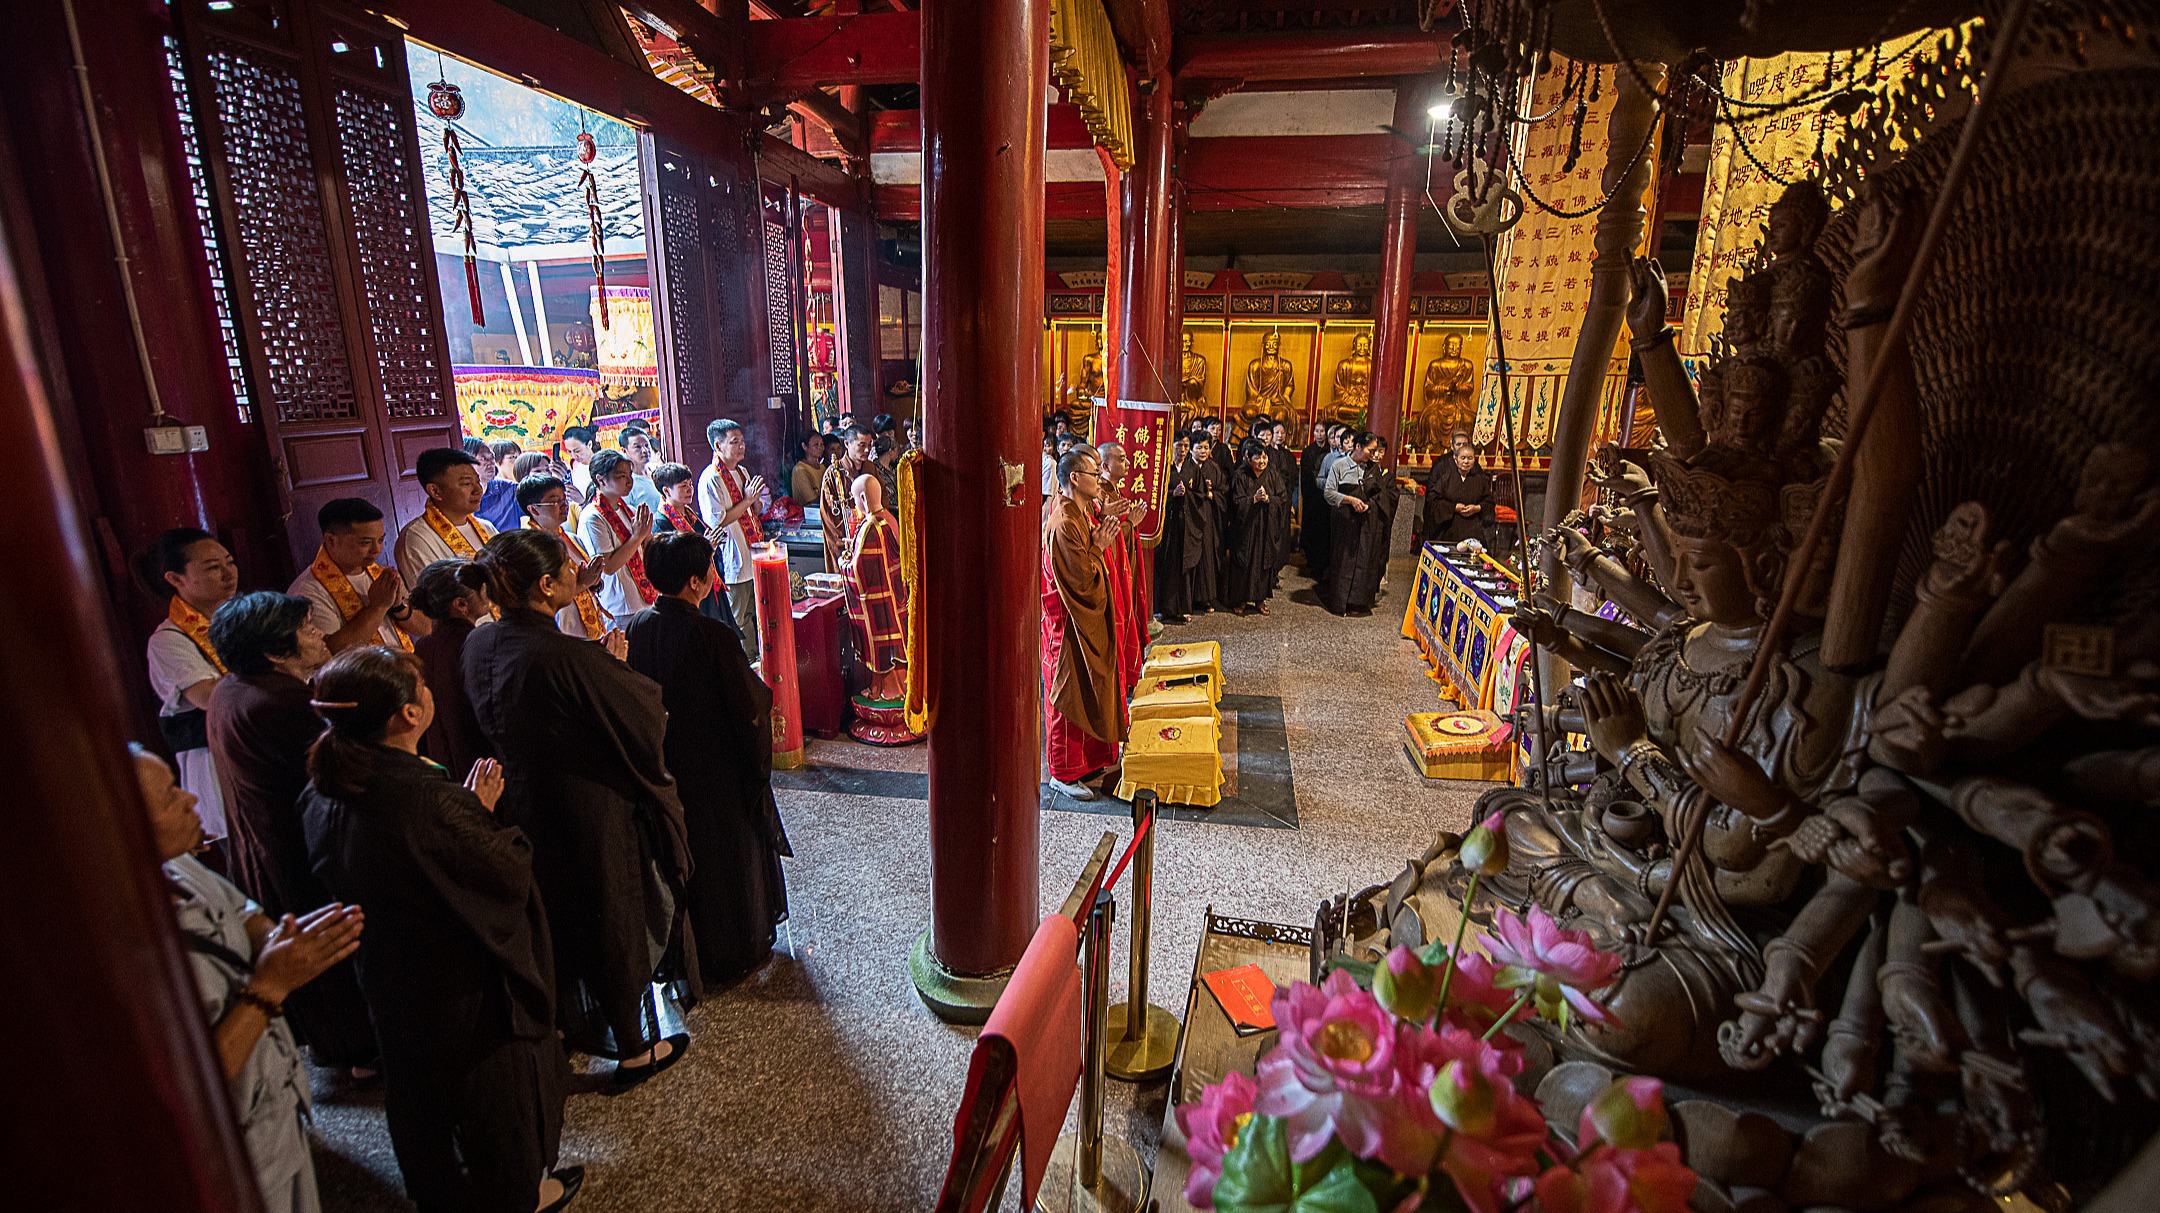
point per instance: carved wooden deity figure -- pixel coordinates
(1353, 383)
(1447, 406)
(1270, 382)
(1192, 381)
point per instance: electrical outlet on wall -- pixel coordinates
(198, 439)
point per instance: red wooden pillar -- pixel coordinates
(1398, 251)
(985, 80)
(120, 1102)
(1147, 367)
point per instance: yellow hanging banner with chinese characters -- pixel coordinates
(1544, 264)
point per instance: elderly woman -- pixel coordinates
(245, 967)
(456, 969)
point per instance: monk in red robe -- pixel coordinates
(1084, 707)
(1121, 557)
(877, 597)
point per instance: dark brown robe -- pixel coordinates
(1084, 683)
(459, 976)
(1253, 542)
(1447, 487)
(1359, 545)
(260, 729)
(719, 748)
(454, 739)
(580, 736)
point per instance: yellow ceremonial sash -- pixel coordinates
(196, 626)
(588, 607)
(451, 536)
(347, 598)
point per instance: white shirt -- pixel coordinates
(618, 591)
(643, 492)
(581, 479)
(323, 609)
(175, 665)
(735, 539)
(418, 546)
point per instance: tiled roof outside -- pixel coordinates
(528, 198)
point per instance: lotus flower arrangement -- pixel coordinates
(1401, 1097)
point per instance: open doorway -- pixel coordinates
(544, 335)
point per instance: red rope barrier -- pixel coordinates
(1108, 878)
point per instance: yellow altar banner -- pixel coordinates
(531, 405)
(1544, 264)
(624, 348)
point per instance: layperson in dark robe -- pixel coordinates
(260, 729)
(1316, 522)
(1207, 494)
(1173, 597)
(456, 961)
(1362, 494)
(719, 748)
(1253, 543)
(1458, 501)
(580, 736)
(1282, 469)
(452, 595)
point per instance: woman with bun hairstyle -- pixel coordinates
(580, 737)
(456, 965)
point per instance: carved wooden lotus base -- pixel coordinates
(881, 722)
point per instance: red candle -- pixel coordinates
(776, 637)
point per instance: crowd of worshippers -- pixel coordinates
(504, 797)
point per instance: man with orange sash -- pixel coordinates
(877, 597)
(447, 528)
(353, 599)
(1084, 707)
(730, 498)
(1121, 559)
(546, 503)
(615, 532)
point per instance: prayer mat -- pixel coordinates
(1460, 745)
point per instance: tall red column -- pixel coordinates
(1146, 364)
(1397, 253)
(985, 80)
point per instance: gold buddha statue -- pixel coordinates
(1270, 381)
(1449, 380)
(1353, 383)
(1094, 379)
(1192, 381)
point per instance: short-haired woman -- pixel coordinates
(456, 967)
(453, 596)
(194, 574)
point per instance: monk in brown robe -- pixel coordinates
(1084, 708)
(877, 597)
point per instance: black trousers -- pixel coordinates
(477, 1137)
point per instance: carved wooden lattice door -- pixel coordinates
(306, 115)
(703, 216)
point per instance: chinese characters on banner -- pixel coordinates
(1545, 269)
(1141, 428)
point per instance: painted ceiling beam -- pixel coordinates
(1330, 55)
(787, 58)
(894, 131)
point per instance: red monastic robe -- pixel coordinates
(876, 595)
(1083, 707)
(1128, 625)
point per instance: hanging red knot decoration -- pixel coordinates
(587, 151)
(444, 97)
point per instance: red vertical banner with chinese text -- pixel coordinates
(1141, 428)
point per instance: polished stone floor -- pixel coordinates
(822, 1083)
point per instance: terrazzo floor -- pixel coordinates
(823, 1083)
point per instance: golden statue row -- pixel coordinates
(1271, 387)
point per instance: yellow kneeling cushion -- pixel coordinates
(1177, 758)
(1460, 745)
(1172, 702)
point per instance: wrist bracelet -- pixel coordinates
(1658, 338)
(270, 1007)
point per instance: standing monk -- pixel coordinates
(1121, 557)
(1082, 710)
(1172, 599)
(857, 452)
(1207, 493)
(877, 597)
(1358, 488)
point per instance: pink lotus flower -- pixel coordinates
(1484, 1133)
(1559, 967)
(1406, 985)
(1629, 1114)
(1211, 1128)
(1332, 1073)
(1473, 998)
(1485, 849)
(1608, 1180)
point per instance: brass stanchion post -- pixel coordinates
(1088, 1172)
(1146, 1043)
